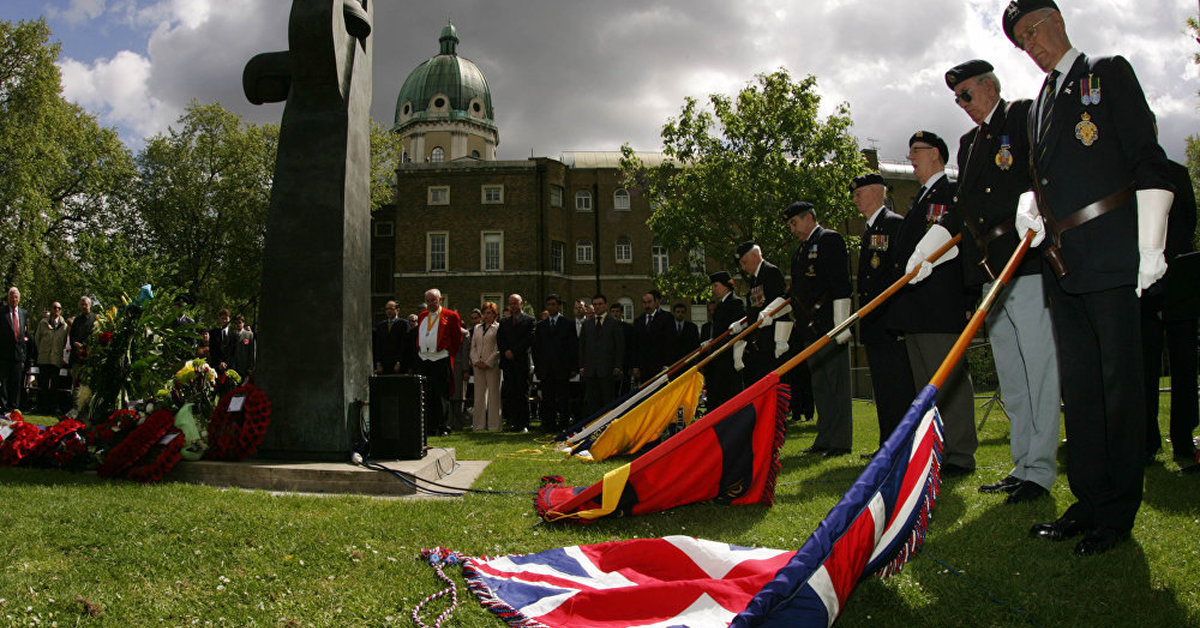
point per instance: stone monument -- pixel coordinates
(314, 335)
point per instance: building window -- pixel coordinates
(659, 260)
(439, 195)
(621, 200)
(492, 250)
(498, 299)
(698, 261)
(583, 251)
(583, 201)
(492, 194)
(626, 304)
(624, 250)
(475, 154)
(557, 251)
(437, 251)
(437, 155)
(381, 280)
(556, 196)
(385, 229)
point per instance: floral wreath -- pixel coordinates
(236, 436)
(163, 455)
(130, 450)
(113, 429)
(60, 444)
(19, 444)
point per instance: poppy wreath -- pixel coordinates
(20, 443)
(160, 459)
(235, 436)
(113, 429)
(136, 445)
(60, 444)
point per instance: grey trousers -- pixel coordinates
(1022, 336)
(955, 399)
(830, 369)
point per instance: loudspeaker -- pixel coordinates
(397, 417)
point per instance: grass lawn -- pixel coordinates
(82, 551)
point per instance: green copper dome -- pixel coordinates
(446, 87)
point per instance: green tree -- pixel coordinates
(202, 194)
(63, 178)
(386, 150)
(734, 166)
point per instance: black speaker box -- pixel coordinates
(397, 417)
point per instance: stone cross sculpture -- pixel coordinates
(314, 335)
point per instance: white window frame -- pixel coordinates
(626, 304)
(621, 201)
(432, 190)
(660, 258)
(437, 155)
(556, 195)
(624, 245)
(583, 201)
(499, 196)
(483, 254)
(584, 245)
(429, 238)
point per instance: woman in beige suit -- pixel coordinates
(485, 358)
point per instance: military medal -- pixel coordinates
(1089, 90)
(936, 212)
(879, 242)
(1086, 131)
(1004, 158)
(875, 260)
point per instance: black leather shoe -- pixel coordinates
(1007, 485)
(1099, 541)
(955, 471)
(1027, 491)
(814, 450)
(834, 452)
(1060, 529)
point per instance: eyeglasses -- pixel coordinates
(916, 148)
(1030, 33)
(963, 96)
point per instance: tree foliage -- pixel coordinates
(386, 150)
(736, 164)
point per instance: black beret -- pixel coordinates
(931, 138)
(1018, 9)
(964, 71)
(871, 178)
(721, 276)
(743, 249)
(798, 208)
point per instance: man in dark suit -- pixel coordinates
(1104, 193)
(555, 361)
(390, 345)
(652, 334)
(601, 353)
(685, 336)
(14, 330)
(891, 374)
(220, 342)
(820, 299)
(768, 289)
(993, 167)
(722, 380)
(932, 311)
(514, 340)
(1179, 329)
(624, 383)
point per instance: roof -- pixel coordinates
(457, 78)
(608, 159)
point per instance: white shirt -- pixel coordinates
(428, 336)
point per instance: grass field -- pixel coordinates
(79, 551)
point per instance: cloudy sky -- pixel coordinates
(569, 75)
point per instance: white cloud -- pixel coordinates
(116, 90)
(78, 11)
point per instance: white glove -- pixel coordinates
(765, 317)
(1029, 219)
(932, 241)
(739, 349)
(783, 331)
(738, 327)
(841, 311)
(1153, 207)
(704, 343)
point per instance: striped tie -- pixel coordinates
(1048, 94)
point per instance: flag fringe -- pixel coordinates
(782, 406)
(440, 556)
(916, 538)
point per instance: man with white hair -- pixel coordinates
(14, 330)
(439, 335)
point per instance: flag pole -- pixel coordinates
(745, 332)
(682, 362)
(864, 310)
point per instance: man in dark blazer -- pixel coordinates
(820, 299)
(684, 335)
(993, 167)
(555, 361)
(722, 380)
(933, 309)
(390, 344)
(220, 342)
(14, 330)
(514, 339)
(887, 359)
(616, 313)
(768, 289)
(601, 354)
(652, 332)
(1104, 194)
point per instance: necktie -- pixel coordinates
(599, 321)
(16, 327)
(1048, 94)
(917, 198)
